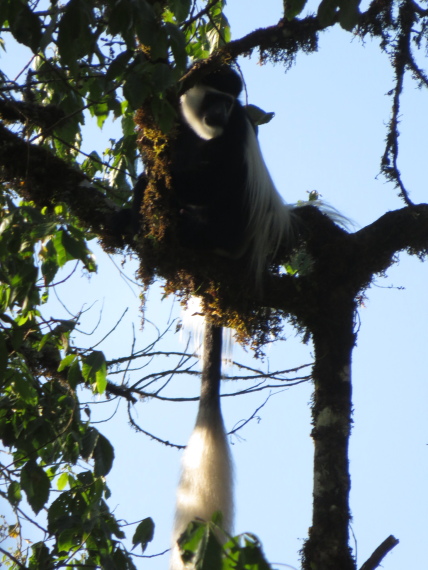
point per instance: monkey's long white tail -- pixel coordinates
(206, 483)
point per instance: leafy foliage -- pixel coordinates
(40, 419)
(200, 545)
(96, 62)
(346, 12)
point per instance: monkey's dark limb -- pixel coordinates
(211, 369)
(380, 552)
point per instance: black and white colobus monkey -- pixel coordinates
(227, 204)
(221, 188)
(226, 198)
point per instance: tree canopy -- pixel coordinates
(90, 62)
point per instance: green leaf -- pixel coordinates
(62, 481)
(346, 12)
(89, 442)
(118, 66)
(293, 8)
(101, 379)
(137, 86)
(103, 456)
(3, 356)
(327, 12)
(75, 37)
(245, 551)
(36, 485)
(44, 340)
(349, 14)
(67, 540)
(92, 165)
(177, 41)
(94, 370)
(14, 494)
(218, 32)
(122, 560)
(162, 77)
(67, 361)
(61, 252)
(180, 9)
(49, 262)
(191, 537)
(23, 387)
(121, 21)
(40, 557)
(25, 25)
(205, 549)
(66, 512)
(164, 113)
(69, 247)
(146, 24)
(144, 533)
(74, 375)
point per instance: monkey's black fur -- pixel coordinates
(225, 200)
(209, 179)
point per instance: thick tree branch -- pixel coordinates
(348, 261)
(352, 258)
(48, 180)
(377, 243)
(45, 116)
(278, 43)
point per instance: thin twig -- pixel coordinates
(15, 560)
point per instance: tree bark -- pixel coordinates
(327, 547)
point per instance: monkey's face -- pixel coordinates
(206, 110)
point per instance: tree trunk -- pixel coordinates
(327, 547)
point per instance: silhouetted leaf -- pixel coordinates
(36, 485)
(103, 455)
(25, 25)
(144, 533)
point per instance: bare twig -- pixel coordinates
(380, 552)
(15, 560)
(203, 12)
(242, 423)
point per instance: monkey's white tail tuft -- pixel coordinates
(206, 483)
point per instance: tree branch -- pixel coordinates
(377, 243)
(11, 557)
(380, 552)
(347, 260)
(278, 43)
(45, 116)
(49, 180)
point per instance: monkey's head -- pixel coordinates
(207, 106)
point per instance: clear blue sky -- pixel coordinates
(328, 133)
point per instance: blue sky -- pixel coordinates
(328, 133)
